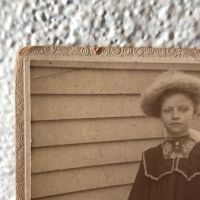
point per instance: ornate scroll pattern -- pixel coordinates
(19, 99)
(64, 51)
(146, 52)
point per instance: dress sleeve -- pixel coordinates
(141, 185)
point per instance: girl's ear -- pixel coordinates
(196, 115)
(196, 111)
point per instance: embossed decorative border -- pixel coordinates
(19, 130)
(74, 51)
(146, 52)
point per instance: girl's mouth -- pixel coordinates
(175, 124)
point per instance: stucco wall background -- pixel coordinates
(155, 23)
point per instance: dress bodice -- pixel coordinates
(180, 155)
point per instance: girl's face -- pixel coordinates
(177, 112)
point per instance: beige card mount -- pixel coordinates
(79, 127)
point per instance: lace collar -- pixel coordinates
(178, 147)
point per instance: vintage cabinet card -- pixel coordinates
(80, 130)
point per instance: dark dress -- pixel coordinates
(168, 172)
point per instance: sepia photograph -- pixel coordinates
(107, 123)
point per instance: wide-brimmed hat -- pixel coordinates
(170, 80)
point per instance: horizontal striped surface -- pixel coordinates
(109, 193)
(91, 81)
(83, 155)
(56, 107)
(62, 132)
(59, 182)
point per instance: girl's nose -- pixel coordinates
(175, 114)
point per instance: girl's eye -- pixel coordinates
(184, 108)
(167, 110)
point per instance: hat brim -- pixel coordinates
(175, 81)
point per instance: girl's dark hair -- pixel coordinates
(158, 103)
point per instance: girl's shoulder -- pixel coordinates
(195, 135)
(155, 166)
(153, 153)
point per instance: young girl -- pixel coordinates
(171, 170)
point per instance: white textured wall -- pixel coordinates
(157, 23)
